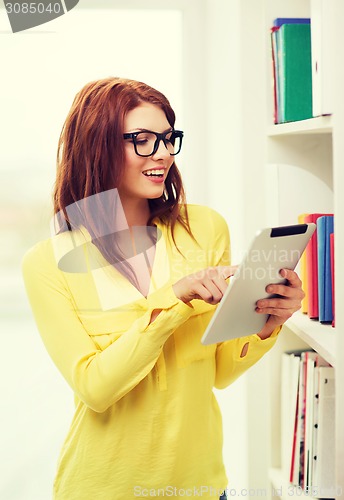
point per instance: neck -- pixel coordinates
(136, 211)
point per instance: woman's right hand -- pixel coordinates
(208, 284)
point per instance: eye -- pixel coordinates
(144, 137)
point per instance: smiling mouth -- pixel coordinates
(154, 173)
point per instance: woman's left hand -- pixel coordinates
(282, 307)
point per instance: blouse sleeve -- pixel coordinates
(229, 363)
(98, 378)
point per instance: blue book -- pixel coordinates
(290, 20)
(324, 229)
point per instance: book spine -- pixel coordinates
(312, 268)
(324, 228)
(332, 277)
(307, 421)
(304, 271)
(274, 56)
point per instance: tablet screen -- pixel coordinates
(271, 250)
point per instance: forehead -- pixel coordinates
(147, 116)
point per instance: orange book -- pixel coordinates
(303, 271)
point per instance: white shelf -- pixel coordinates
(321, 338)
(284, 490)
(318, 125)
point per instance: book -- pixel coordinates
(290, 20)
(275, 77)
(294, 72)
(312, 268)
(312, 360)
(332, 276)
(324, 229)
(277, 23)
(303, 272)
(323, 46)
(297, 465)
(324, 481)
(305, 418)
(299, 415)
(290, 366)
(295, 451)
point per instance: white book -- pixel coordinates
(298, 451)
(322, 48)
(311, 358)
(289, 394)
(324, 481)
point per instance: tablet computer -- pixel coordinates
(271, 250)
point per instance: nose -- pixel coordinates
(162, 151)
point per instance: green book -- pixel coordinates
(295, 72)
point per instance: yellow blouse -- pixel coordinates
(146, 420)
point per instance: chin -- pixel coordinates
(157, 194)
(155, 197)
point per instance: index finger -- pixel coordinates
(227, 271)
(292, 277)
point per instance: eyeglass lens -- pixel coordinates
(145, 143)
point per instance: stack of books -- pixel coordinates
(318, 269)
(308, 422)
(301, 50)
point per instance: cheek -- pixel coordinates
(170, 166)
(133, 163)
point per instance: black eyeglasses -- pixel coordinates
(146, 142)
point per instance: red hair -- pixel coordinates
(90, 155)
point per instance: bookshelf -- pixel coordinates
(282, 489)
(313, 148)
(318, 125)
(321, 338)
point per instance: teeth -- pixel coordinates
(153, 172)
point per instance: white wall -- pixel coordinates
(235, 188)
(224, 112)
(224, 181)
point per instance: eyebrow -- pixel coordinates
(138, 129)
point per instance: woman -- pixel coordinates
(122, 294)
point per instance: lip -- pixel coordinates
(156, 180)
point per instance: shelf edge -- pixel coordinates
(317, 125)
(321, 338)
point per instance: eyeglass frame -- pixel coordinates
(159, 138)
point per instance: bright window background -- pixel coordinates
(41, 71)
(44, 70)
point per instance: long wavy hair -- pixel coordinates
(91, 158)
